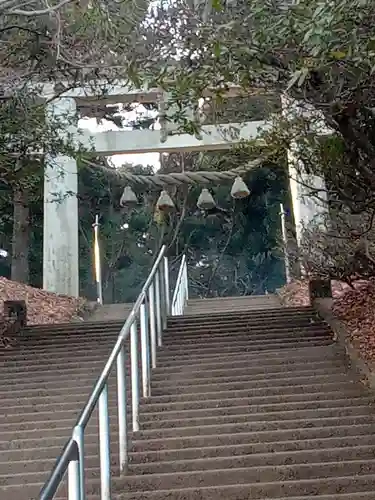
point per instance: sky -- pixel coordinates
(118, 160)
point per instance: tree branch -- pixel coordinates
(31, 13)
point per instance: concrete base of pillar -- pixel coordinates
(319, 289)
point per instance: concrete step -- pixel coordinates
(225, 335)
(252, 324)
(23, 479)
(25, 350)
(224, 425)
(236, 434)
(14, 364)
(16, 368)
(253, 426)
(34, 441)
(53, 428)
(254, 315)
(238, 298)
(52, 449)
(261, 410)
(255, 358)
(179, 379)
(216, 339)
(43, 361)
(296, 479)
(56, 369)
(309, 388)
(45, 465)
(244, 335)
(249, 346)
(48, 420)
(297, 433)
(223, 308)
(210, 483)
(70, 331)
(202, 478)
(29, 356)
(269, 310)
(57, 380)
(159, 389)
(262, 490)
(257, 322)
(73, 326)
(243, 325)
(43, 417)
(245, 345)
(334, 459)
(225, 450)
(322, 456)
(254, 373)
(59, 389)
(150, 406)
(242, 415)
(350, 496)
(260, 361)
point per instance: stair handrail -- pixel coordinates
(181, 291)
(151, 308)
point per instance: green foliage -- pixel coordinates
(241, 254)
(320, 54)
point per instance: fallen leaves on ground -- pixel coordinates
(354, 307)
(296, 293)
(42, 306)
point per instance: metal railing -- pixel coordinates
(150, 310)
(181, 291)
(97, 264)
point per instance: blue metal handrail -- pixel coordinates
(151, 308)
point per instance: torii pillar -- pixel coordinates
(60, 236)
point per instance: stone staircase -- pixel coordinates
(249, 401)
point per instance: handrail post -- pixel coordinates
(181, 292)
(104, 445)
(97, 262)
(134, 375)
(74, 479)
(186, 282)
(167, 293)
(163, 296)
(78, 436)
(144, 353)
(151, 298)
(181, 295)
(158, 307)
(122, 410)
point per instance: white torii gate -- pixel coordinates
(60, 245)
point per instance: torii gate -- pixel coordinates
(60, 241)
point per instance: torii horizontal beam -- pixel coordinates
(120, 92)
(213, 137)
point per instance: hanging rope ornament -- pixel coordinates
(205, 200)
(239, 189)
(165, 203)
(128, 197)
(159, 217)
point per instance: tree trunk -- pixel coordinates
(21, 237)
